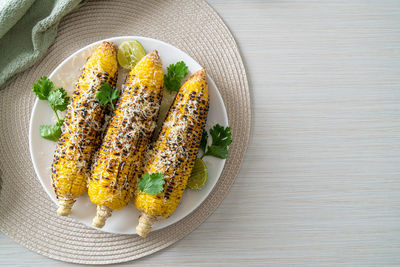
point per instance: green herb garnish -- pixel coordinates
(152, 184)
(107, 94)
(58, 101)
(221, 139)
(43, 87)
(51, 132)
(176, 72)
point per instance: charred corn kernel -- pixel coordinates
(175, 151)
(119, 161)
(80, 137)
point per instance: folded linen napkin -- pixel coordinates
(27, 29)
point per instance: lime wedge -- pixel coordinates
(198, 177)
(129, 54)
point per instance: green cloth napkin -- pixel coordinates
(27, 29)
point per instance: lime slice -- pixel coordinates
(198, 177)
(129, 54)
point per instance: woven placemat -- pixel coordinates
(27, 214)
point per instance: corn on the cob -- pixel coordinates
(174, 152)
(120, 157)
(80, 137)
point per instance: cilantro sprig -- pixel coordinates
(176, 72)
(152, 184)
(58, 101)
(221, 139)
(107, 94)
(43, 87)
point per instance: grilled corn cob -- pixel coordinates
(174, 152)
(120, 157)
(80, 137)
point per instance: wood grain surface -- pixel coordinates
(320, 184)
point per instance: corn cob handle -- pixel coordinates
(80, 137)
(119, 161)
(174, 152)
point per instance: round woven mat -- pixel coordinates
(27, 214)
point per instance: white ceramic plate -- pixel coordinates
(65, 75)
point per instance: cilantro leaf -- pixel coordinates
(58, 99)
(176, 72)
(107, 94)
(152, 184)
(203, 142)
(217, 151)
(221, 139)
(43, 87)
(221, 136)
(51, 132)
(115, 94)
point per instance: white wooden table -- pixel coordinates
(320, 184)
